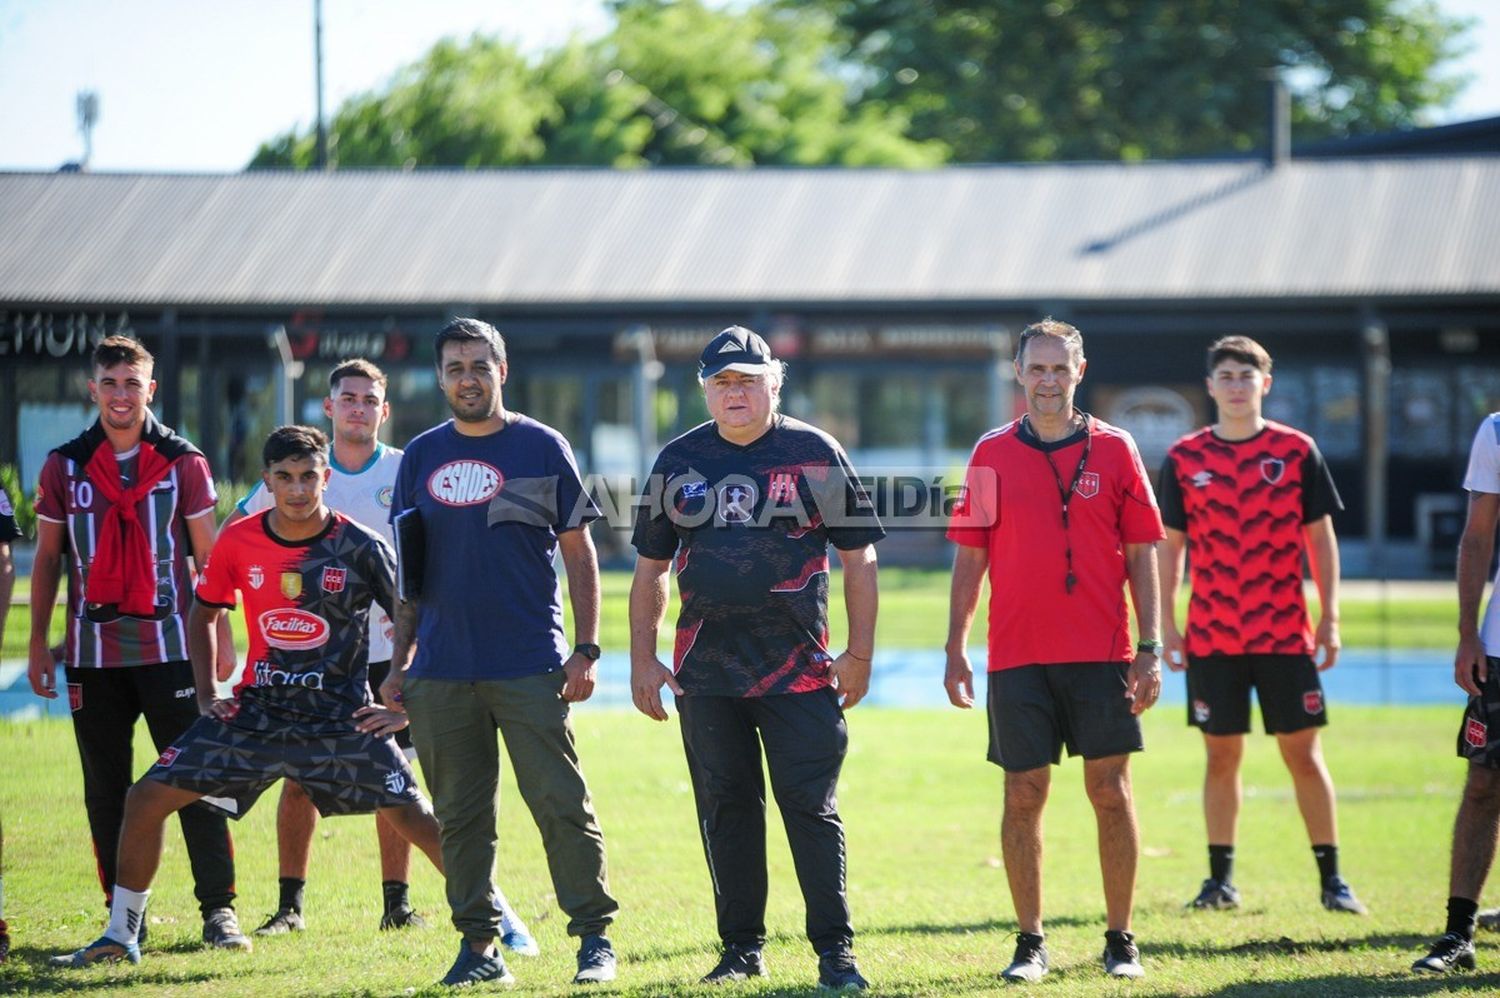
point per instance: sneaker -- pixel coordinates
(739, 962)
(4, 940)
(837, 972)
(101, 950)
(284, 921)
(1030, 961)
(1488, 919)
(1121, 958)
(1451, 951)
(473, 968)
(596, 961)
(221, 930)
(1215, 895)
(1339, 896)
(404, 917)
(519, 940)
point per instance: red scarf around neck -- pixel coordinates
(124, 568)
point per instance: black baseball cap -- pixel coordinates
(735, 349)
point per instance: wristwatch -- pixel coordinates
(588, 651)
(1153, 646)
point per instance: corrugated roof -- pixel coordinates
(1351, 228)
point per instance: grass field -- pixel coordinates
(929, 897)
(914, 614)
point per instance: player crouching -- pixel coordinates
(301, 709)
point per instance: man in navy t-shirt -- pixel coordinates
(498, 495)
(746, 505)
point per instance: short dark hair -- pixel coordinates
(465, 330)
(295, 442)
(1241, 349)
(356, 367)
(1058, 330)
(117, 349)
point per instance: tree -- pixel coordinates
(673, 83)
(1000, 80)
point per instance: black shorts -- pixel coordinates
(231, 766)
(1037, 709)
(378, 672)
(1479, 735)
(1287, 686)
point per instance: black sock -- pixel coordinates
(395, 895)
(1221, 863)
(291, 893)
(1328, 861)
(1461, 912)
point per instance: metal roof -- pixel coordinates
(1156, 231)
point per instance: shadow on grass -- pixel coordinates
(1287, 946)
(1354, 984)
(28, 973)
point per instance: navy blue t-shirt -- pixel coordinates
(491, 509)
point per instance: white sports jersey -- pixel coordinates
(363, 495)
(1484, 476)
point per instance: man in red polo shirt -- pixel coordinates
(1058, 513)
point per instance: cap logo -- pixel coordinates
(731, 347)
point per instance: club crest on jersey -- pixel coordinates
(395, 782)
(465, 483)
(168, 756)
(1202, 478)
(291, 584)
(1200, 712)
(1476, 732)
(333, 579)
(1312, 701)
(1088, 485)
(737, 502)
(384, 496)
(1272, 468)
(783, 487)
(257, 576)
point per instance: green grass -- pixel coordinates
(915, 615)
(921, 807)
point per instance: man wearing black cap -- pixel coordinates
(746, 505)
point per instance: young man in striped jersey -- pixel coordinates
(127, 501)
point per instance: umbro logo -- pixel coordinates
(1202, 478)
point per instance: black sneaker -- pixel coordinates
(1339, 896)
(738, 963)
(284, 921)
(403, 917)
(1121, 958)
(1030, 961)
(473, 968)
(1215, 895)
(1449, 952)
(837, 972)
(596, 961)
(221, 930)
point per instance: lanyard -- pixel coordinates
(1065, 496)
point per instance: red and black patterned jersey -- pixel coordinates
(1243, 505)
(100, 636)
(749, 528)
(9, 531)
(307, 607)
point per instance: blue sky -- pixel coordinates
(187, 85)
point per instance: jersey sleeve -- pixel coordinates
(977, 510)
(654, 535)
(1140, 520)
(857, 524)
(1320, 497)
(51, 490)
(1169, 496)
(257, 500)
(218, 584)
(380, 574)
(196, 483)
(402, 494)
(1484, 458)
(575, 507)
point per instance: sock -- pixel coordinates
(395, 892)
(1461, 912)
(291, 893)
(1328, 861)
(126, 913)
(1221, 863)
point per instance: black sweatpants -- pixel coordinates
(106, 703)
(805, 740)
